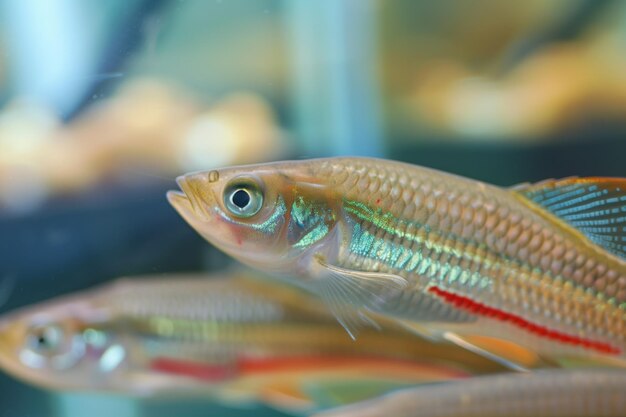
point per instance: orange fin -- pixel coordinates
(286, 395)
(594, 206)
(505, 352)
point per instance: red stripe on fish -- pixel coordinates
(249, 365)
(467, 304)
(269, 364)
(205, 372)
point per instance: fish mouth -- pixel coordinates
(183, 195)
(185, 201)
(178, 199)
(183, 198)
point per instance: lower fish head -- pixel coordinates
(63, 344)
(268, 216)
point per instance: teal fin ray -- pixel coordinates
(594, 206)
(350, 293)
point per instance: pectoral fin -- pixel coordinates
(349, 293)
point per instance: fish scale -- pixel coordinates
(547, 259)
(522, 253)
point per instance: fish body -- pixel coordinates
(233, 339)
(545, 393)
(542, 265)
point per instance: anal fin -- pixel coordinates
(506, 353)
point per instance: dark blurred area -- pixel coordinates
(103, 104)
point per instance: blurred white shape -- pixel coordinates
(238, 129)
(209, 142)
(31, 359)
(112, 358)
(149, 128)
(478, 108)
(24, 126)
(95, 338)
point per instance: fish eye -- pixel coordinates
(46, 339)
(243, 198)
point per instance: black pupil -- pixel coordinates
(42, 340)
(241, 198)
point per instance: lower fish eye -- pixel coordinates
(46, 339)
(243, 199)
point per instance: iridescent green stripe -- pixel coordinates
(313, 236)
(399, 257)
(390, 224)
(310, 220)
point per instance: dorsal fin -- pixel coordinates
(594, 206)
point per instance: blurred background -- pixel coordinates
(102, 104)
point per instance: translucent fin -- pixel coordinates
(348, 293)
(506, 353)
(594, 206)
(493, 349)
(422, 331)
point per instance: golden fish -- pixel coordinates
(232, 339)
(542, 266)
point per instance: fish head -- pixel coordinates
(269, 216)
(63, 344)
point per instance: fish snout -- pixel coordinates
(182, 198)
(192, 202)
(10, 337)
